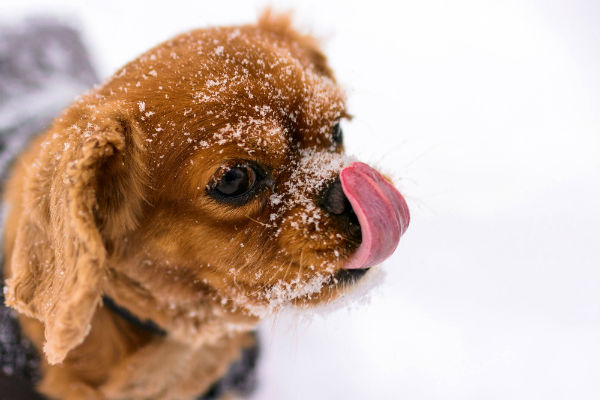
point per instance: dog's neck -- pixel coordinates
(197, 320)
(240, 377)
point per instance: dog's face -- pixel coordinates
(245, 150)
(214, 166)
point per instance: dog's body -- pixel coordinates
(199, 188)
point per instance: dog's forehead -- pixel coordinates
(255, 73)
(210, 86)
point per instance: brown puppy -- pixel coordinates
(202, 187)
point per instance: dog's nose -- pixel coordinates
(335, 202)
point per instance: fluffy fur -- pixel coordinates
(112, 200)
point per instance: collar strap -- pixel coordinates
(240, 378)
(146, 325)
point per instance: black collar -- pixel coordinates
(241, 376)
(147, 325)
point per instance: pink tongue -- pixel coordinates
(381, 211)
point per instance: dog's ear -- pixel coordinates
(85, 189)
(281, 25)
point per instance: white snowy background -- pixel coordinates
(488, 114)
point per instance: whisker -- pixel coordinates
(348, 240)
(287, 270)
(258, 222)
(301, 263)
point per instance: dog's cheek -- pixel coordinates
(239, 257)
(308, 230)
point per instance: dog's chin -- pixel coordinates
(340, 282)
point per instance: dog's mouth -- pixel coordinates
(361, 199)
(349, 276)
(373, 206)
(381, 211)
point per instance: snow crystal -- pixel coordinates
(311, 173)
(275, 199)
(142, 106)
(283, 292)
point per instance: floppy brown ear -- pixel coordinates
(58, 258)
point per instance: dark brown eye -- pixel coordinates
(238, 184)
(236, 181)
(337, 135)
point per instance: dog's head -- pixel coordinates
(208, 174)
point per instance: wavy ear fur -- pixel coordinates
(58, 258)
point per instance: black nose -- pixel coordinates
(335, 202)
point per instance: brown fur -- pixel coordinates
(111, 200)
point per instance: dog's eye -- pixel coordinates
(236, 181)
(337, 135)
(236, 185)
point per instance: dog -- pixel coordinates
(201, 188)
